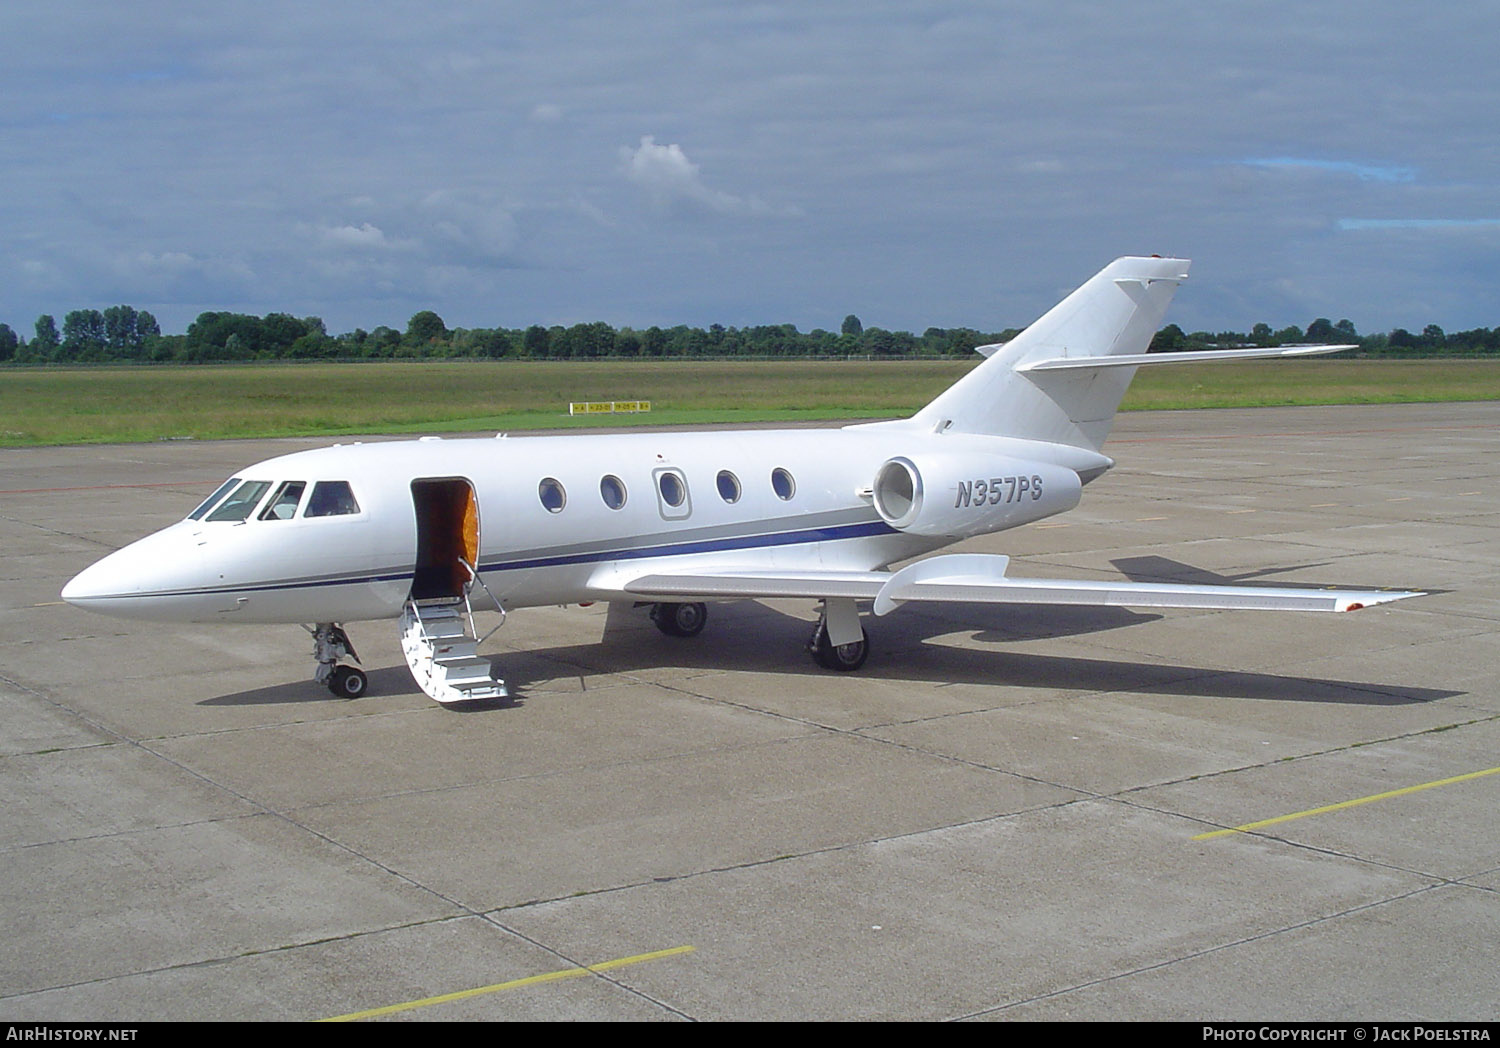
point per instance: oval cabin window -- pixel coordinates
(612, 491)
(553, 497)
(729, 486)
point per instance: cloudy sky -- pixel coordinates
(936, 163)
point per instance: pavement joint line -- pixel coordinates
(829, 849)
(199, 962)
(1437, 880)
(860, 733)
(1195, 954)
(513, 984)
(1404, 736)
(104, 487)
(264, 809)
(549, 774)
(1341, 805)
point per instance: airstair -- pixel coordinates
(441, 646)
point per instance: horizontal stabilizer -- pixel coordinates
(1115, 315)
(1189, 357)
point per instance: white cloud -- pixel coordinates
(672, 183)
(467, 223)
(362, 236)
(950, 173)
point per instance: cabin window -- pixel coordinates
(242, 503)
(673, 490)
(783, 484)
(673, 502)
(207, 504)
(283, 504)
(331, 498)
(553, 497)
(612, 491)
(729, 486)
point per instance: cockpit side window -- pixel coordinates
(207, 504)
(242, 503)
(331, 498)
(283, 504)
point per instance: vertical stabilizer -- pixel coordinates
(1115, 313)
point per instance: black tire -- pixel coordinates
(348, 682)
(680, 620)
(844, 658)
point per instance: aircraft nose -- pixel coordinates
(100, 582)
(144, 580)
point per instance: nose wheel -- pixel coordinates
(348, 682)
(330, 644)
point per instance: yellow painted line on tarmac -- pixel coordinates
(1242, 511)
(1348, 804)
(514, 984)
(50, 604)
(1139, 519)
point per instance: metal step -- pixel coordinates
(442, 654)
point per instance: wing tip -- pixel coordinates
(1359, 602)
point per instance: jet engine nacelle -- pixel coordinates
(959, 495)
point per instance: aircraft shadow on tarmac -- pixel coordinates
(909, 646)
(749, 637)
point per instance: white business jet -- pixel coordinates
(430, 530)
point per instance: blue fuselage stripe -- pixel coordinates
(784, 538)
(744, 542)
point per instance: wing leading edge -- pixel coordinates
(978, 578)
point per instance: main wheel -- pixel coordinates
(845, 658)
(680, 620)
(348, 682)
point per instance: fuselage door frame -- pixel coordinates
(447, 514)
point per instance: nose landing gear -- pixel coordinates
(330, 644)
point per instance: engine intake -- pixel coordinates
(959, 495)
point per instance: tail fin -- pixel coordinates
(1114, 314)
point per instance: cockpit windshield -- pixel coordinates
(283, 504)
(206, 504)
(242, 503)
(236, 500)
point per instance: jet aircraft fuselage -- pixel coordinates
(431, 530)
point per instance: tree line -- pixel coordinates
(125, 334)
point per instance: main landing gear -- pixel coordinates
(331, 643)
(680, 620)
(688, 620)
(845, 658)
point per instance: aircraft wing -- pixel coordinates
(981, 579)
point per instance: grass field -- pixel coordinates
(105, 405)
